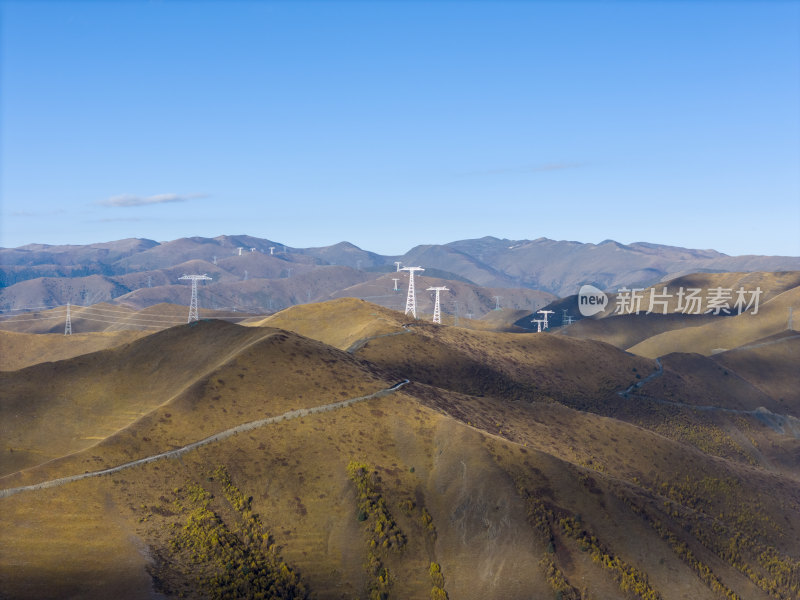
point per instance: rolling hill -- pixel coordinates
(396, 458)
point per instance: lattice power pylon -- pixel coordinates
(193, 314)
(546, 313)
(437, 314)
(539, 323)
(68, 324)
(411, 300)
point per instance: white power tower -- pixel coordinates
(539, 323)
(398, 263)
(437, 313)
(497, 302)
(272, 250)
(545, 313)
(193, 314)
(411, 300)
(240, 251)
(395, 284)
(68, 324)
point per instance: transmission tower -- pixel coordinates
(539, 323)
(68, 324)
(149, 281)
(455, 304)
(437, 313)
(240, 251)
(397, 262)
(272, 250)
(193, 314)
(411, 300)
(497, 302)
(545, 313)
(395, 284)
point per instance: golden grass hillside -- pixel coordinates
(771, 364)
(19, 350)
(107, 317)
(772, 284)
(339, 323)
(627, 330)
(624, 331)
(726, 333)
(56, 408)
(509, 467)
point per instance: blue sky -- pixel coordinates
(392, 124)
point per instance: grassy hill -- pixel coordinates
(726, 333)
(510, 466)
(105, 317)
(654, 333)
(19, 350)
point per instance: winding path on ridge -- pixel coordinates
(293, 414)
(783, 424)
(776, 421)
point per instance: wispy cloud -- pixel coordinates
(31, 213)
(127, 200)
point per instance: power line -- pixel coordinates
(23, 308)
(13, 320)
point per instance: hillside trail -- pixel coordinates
(294, 414)
(783, 424)
(217, 437)
(762, 344)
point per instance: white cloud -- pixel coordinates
(126, 200)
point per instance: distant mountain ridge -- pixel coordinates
(110, 270)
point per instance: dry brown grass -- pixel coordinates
(726, 333)
(464, 444)
(20, 350)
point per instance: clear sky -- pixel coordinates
(392, 124)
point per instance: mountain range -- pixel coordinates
(262, 276)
